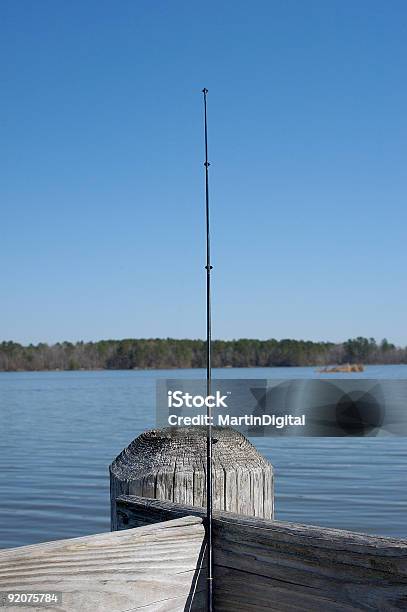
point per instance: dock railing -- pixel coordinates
(262, 564)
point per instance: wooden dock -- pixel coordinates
(156, 563)
(155, 559)
(265, 565)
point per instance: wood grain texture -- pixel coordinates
(157, 567)
(271, 565)
(170, 464)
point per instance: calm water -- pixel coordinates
(61, 430)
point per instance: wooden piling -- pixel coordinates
(170, 464)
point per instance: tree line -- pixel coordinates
(156, 353)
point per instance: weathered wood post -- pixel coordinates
(170, 464)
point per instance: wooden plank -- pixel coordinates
(239, 591)
(272, 565)
(134, 511)
(295, 563)
(157, 567)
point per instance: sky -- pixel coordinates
(102, 177)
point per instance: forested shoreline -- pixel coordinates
(156, 353)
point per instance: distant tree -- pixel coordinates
(386, 346)
(359, 349)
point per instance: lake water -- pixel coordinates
(61, 430)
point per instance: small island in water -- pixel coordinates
(346, 367)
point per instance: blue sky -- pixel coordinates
(102, 201)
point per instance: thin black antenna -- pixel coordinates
(208, 374)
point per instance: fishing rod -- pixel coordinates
(208, 373)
